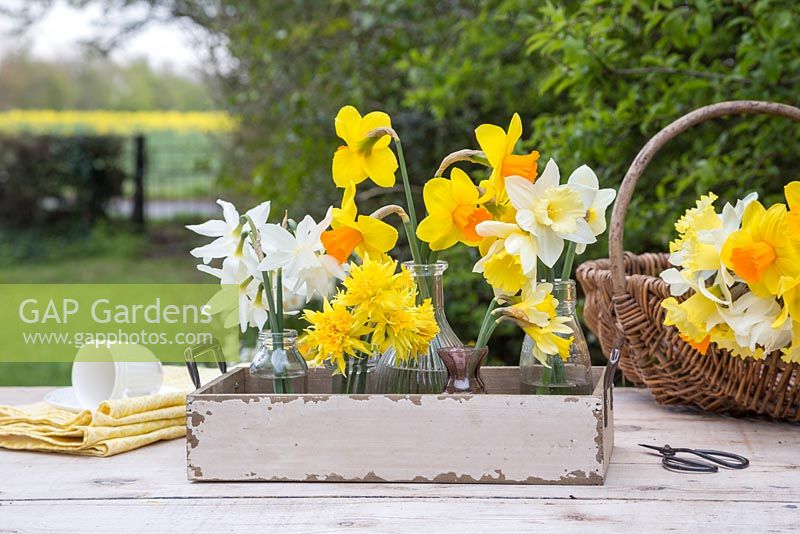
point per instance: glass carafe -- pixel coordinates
(572, 376)
(426, 374)
(358, 378)
(278, 359)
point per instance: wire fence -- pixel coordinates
(176, 160)
(178, 175)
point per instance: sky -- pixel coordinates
(58, 35)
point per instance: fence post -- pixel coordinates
(138, 181)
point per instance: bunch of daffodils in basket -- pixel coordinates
(741, 270)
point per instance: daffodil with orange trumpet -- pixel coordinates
(743, 268)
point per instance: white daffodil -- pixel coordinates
(240, 269)
(509, 264)
(752, 318)
(514, 240)
(584, 178)
(253, 310)
(228, 232)
(551, 212)
(699, 252)
(306, 268)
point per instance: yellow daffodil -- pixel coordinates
(503, 271)
(453, 212)
(691, 317)
(407, 329)
(498, 145)
(376, 304)
(761, 252)
(335, 334)
(553, 338)
(535, 313)
(792, 193)
(791, 354)
(374, 286)
(506, 239)
(362, 157)
(723, 337)
(536, 306)
(365, 235)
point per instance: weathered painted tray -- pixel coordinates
(239, 430)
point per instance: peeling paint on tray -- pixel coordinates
(244, 424)
(197, 418)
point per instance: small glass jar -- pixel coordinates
(426, 373)
(278, 359)
(572, 376)
(464, 369)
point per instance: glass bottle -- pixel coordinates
(426, 374)
(359, 377)
(278, 359)
(570, 377)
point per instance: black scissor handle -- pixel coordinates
(686, 465)
(722, 457)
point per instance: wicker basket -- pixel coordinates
(623, 305)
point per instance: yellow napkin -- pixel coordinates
(115, 426)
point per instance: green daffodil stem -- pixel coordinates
(273, 324)
(279, 299)
(483, 339)
(547, 273)
(569, 258)
(413, 242)
(488, 331)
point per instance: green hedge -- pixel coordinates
(50, 179)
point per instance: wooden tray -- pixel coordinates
(238, 430)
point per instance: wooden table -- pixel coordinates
(146, 490)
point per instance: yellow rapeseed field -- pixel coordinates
(113, 122)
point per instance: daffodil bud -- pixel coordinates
(391, 209)
(473, 156)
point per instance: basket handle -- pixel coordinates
(734, 107)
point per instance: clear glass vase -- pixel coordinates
(572, 376)
(426, 374)
(358, 378)
(278, 359)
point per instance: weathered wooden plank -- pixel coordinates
(158, 471)
(396, 516)
(162, 476)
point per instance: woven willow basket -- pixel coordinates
(623, 305)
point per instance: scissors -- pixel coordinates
(715, 459)
(191, 354)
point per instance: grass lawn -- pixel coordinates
(160, 261)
